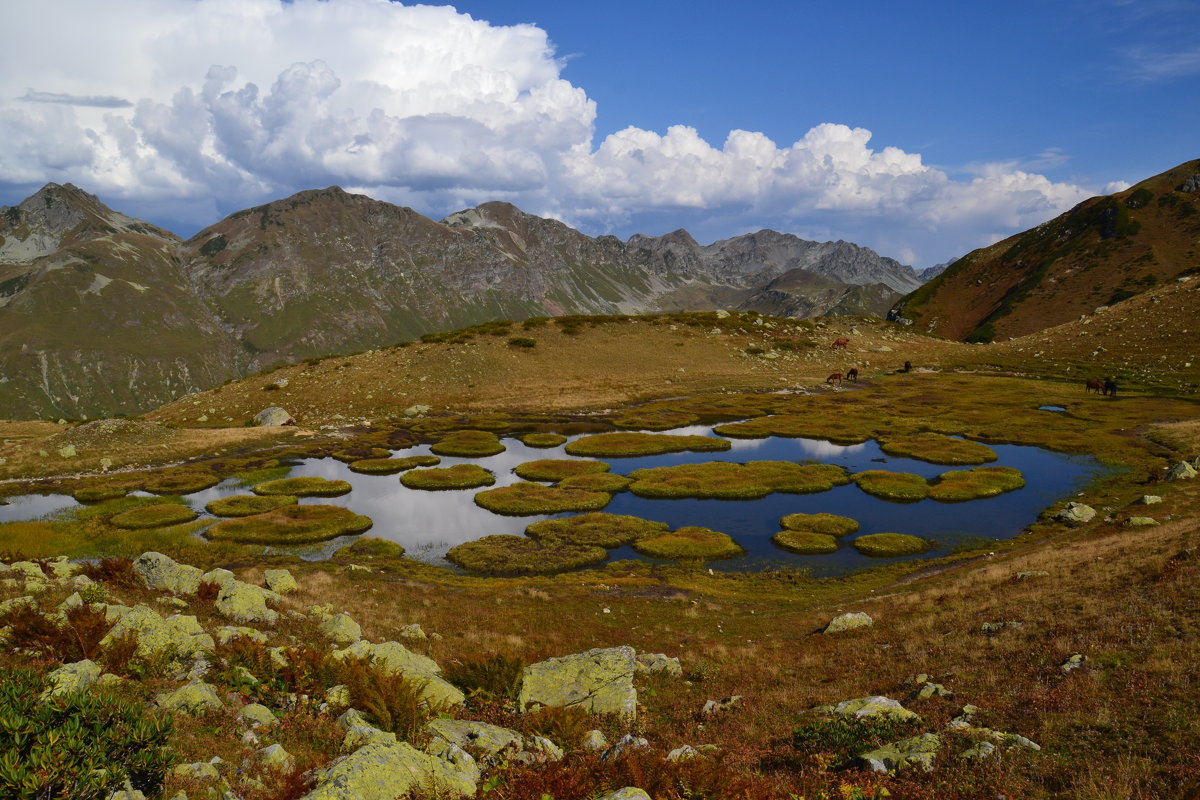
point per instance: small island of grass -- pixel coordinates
(724, 480)
(691, 543)
(307, 486)
(628, 445)
(158, 516)
(555, 469)
(596, 482)
(469, 444)
(829, 524)
(526, 499)
(543, 439)
(517, 555)
(896, 487)
(290, 525)
(460, 476)
(597, 529)
(958, 486)
(890, 545)
(180, 482)
(937, 448)
(390, 466)
(359, 453)
(246, 505)
(805, 543)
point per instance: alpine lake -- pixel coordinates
(429, 523)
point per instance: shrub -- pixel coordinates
(290, 525)
(82, 746)
(76, 640)
(469, 444)
(492, 677)
(113, 570)
(890, 545)
(689, 544)
(897, 487)
(158, 516)
(829, 524)
(847, 738)
(245, 505)
(626, 445)
(555, 469)
(521, 341)
(597, 529)
(310, 486)
(525, 499)
(805, 542)
(460, 476)
(517, 555)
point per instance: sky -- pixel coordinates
(921, 130)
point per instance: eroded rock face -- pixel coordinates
(161, 572)
(600, 681)
(384, 771)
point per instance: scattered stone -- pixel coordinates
(192, 698)
(411, 631)
(385, 771)
(181, 636)
(1076, 514)
(626, 742)
(274, 757)
(228, 633)
(1033, 573)
(23, 603)
(339, 696)
(595, 741)
(929, 690)
(1141, 522)
(991, 628)
(341, 629)
(599, 681)
(257, 715)
(720, 706)
(1149, 500)
(682, 753)
(651, 663)
(273, 416)
(492, 740)
(850, 621)
(244, 602)
(218, 577)
(914, 751)
(71, 678)
(198, 770)
(417, 410)
(872, 707)
(1181, 472)
(1073, 662)
(280, 581)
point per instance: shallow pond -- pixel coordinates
(430, 523)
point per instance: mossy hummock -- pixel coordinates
(958, 486)
(725, 480)
(460, 476)
(829, 524)
(390, 466)
(890, 545)
(109, 490)
(805, 543)
(360, 453)
(597, 482)
(247, 505)
(158, 516)
(469, 444)
(896, 487)
(517, 555)
(555, 469)
(310, 486)
(597, 529)
(543, 439)
(629, 445)
(290, 525)
(690, 543)
(937, 448)
(526, 499)
(655, 420)
(180, 482)
(831, 429)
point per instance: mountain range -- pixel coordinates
(101, 313)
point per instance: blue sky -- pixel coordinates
(921, 130)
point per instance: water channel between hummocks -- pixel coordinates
(430, 523)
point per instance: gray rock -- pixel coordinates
(256, 715)
(395, 658)
(71, 678)
(280, 581)
(273, 416)
(161, 572)
(219, 577)
(651, 663)
(600, 681)
(626, 742)
(1149, 500)
(196, 697)
(873, 706)
(849, 621)
(1073, 663)
(929, 690)
(720, 706)
(386, 771)
(1141, 522)
(245, 602)
(1076, 514)
(1183, 471)
(178, 636)
(341, 629)
(1033, 573)
(916, 751)
(628, 793)
(274, 757)
(595, 741)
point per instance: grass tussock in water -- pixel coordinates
(290, 525)
(106, 490)
(805, 542)
(832, 429)
(597, 529)
(555, 469)
(527, 499)
(359, 453)
(180, 482)
(896, 487)
(890, 545)
(937, 448)
(460, 476)
(390, 466)
(597, 482)
(627, 445)
(829, 524)
(368, 548)
(961, 485)
(469, 444)
(246, 505)
(309, 486)
(517, 555)
(655, 419)
(723, 480)
(157, 516)
(543, 439)
(691, 543)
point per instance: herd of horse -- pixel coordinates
(1107, 387)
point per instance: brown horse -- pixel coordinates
(840, 343)
(1094, 385)
(837, 376)
(852, 374)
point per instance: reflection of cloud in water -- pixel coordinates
(818, 448)
(32, 506)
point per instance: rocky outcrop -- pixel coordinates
(384, 771)
(599, 681)
(158, 571)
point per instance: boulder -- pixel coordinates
(595, 741)
(180, 636)
(1073, 662)
(196, 697)
(198, 770)
(227, 633)
(1141, 522)
(1075, 514)
(71, 678)
(599, 681)
(341, 629)
(628, 793)
(929, 689)
(490, 740)
(396, 659)
(652, 663)
(359, 736)
(1149, 500)
(245, 602)
(280, 581)
(273, 416)
(411, 631)
(626, 742)
(418, 410)
(850, 621)
(386, 771)
(874, 706)
(163, 573)
(914, 751)
(274, 757)
(256, 715)
(219, 577)
(1181, 472)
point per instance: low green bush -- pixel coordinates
(390, 466)
(805, 542)
(522, 341)
(555, 469)
(517, 555)
(308, 486)
(897, 487)
(290, 525)
(690, 543)
(460, 476)
(158, 516)
(597, 529)
(829, 524)
(469, 444)
(890, 545)
(626, 445)
(246, 505)
(527, 499)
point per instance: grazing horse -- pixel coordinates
(1094, 385)
(840, 343)
(837, 376)
(852, 374)
(1110, 388)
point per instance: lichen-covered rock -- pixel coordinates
(71, 678)
(849, 621)
(682, 753)
(280, 581)
(491, 740)
(411, 631)
(1183, 471)
(227, 633)
(397, 659)
(600, 681)
(386, 771)
(720, 706)
(1076, 514)
(1149, 500)
(595, 741)
(256, 715)
(23, 603)
(338, 696)
(181, 636)
(916, 751)
(1141, 522)
(274, 757)
(27, 570)
(245, 602)
(163, 573)
(362, 735)
(273, 416)
(196, 697)
(62, 569)
(874, 706)
(929, 689)
(629, 792)
(219, 577)
(341, 629)
(651, 663)
(1073, 662)
(198, 770)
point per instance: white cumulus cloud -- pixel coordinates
(194, 107)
